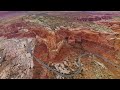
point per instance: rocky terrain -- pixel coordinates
(59, 45)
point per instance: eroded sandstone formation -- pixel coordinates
(60, 49)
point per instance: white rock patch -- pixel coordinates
(21, 61)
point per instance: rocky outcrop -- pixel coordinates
(17, 62)
(59, 49)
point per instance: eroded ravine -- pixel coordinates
(58, 49)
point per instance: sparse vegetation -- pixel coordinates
(100, 28)
(26, 37)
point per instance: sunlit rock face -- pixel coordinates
(17, 63)
(65, 47)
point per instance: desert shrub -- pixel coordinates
(101, 28)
